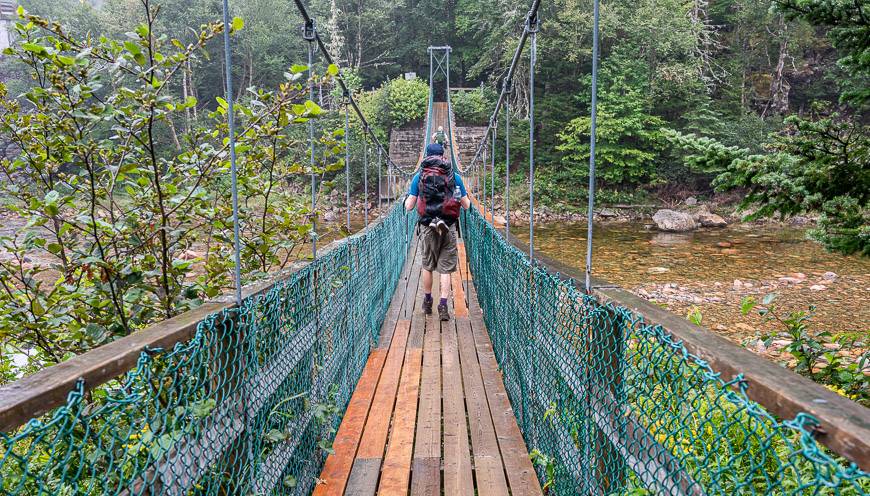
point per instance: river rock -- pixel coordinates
(818, 287)
(724, 244)
(658, 270)
(673, 221)
(707, 219)
(691, 201)
(499, 219)
(330, 216)
(608, 213)
(791, 280)
(829, 276)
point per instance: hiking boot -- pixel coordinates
(443, 313)
(427, 306)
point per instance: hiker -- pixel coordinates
(438, 193)
(439, 136)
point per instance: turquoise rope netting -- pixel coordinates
(248, 406)
(610, 405)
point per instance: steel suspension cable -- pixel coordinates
(309, 34)
(533, 55)
(366, 180)
(492, 169)
(591, 193)
(380, 159)
(343, 84)
(231, 128)
(347, 161)
(532, 14)
(507, 165)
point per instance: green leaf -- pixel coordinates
(313, 108)
(289, 481)
(238, 24)
(33, 48)
(66, 60)
(297, 68)
(223, 103)
(747, 304)
(332, 70)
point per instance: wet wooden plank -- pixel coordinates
(488, 468)
(396, 470)
(338, 465)
(457, 458)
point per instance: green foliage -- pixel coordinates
(473, 107)
(397, 102)
(628, 138)
(126, 196)
(702, 154)
(850, 33)
(816, 165)
(812, 358)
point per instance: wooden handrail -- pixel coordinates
(844, 425)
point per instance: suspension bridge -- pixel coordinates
(328, 379)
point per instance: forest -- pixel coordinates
(161, 211)
(761, 102)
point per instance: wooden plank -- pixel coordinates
(397, 303)
(396, 470)
(364, 477)
(460, 309)
(377, 426)
(488, 468)
(426, 475)
(457, 459)
(336, 471)
(520, 472)
(418, 320)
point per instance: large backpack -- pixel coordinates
(437, 187)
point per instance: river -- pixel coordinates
(713, 269)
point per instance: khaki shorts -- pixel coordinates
(439, 250)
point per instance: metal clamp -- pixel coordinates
(532, 23)
(309, 31)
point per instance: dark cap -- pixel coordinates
(434, 149)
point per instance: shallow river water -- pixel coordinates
(713, 269)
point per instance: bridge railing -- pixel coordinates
(616, 396)
(219, 400)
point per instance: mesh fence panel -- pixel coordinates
(610, 405)
(249, 405)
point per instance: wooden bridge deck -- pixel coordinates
(430, 414)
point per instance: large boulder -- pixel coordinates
(708, 219)
(673, 221)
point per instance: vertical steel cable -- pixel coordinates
(366, 179)
(483, 179)
(591, 206)
(347, 162)
(494, 126)
(308, 33)
(533, 55)
(380, 159)
(231, 125)
(507, 164)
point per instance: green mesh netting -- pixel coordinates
(609, 405)
(248, 406)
